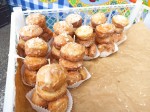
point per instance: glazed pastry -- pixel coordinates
(59, 105)
(74, 19)
(63, 27)
(36, 47)
(72, 51)
(29, 76)
(120, 21)
(51, 96)
(37, 100)
(104, 30)
(47, 34)
(21, 43)
(92, 51)
(55, 53)
(34, 63)
(107, 40)
(117, 37)
(36, 19)
(73, 77)
(30, 31)
(83, 73)
(106, 47)
(50, 78)
(119, 30)
(86, 43)
(70, 65)
(84, 32)
(61, 40)
(97, 19)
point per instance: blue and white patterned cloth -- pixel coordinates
(35, 4)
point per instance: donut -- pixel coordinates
(106, 40)
(55, 53)
(61, 40)
(29, 76)
(72, 51)
(70, 65)
(51, 77)
(73, 77)
(86, 51)
(63, 27)
(51, 96)
(30, 31)
(92, 51)
(84, 32)
(74, 19)
(37, 100)
(36, 19)
(21, 43)
(97, 19)
(34, 63)
(86, 43)
(59, 105)
(104, 30)
(106, 47)
(119, 30)
(117, 37)
(120, 21)
(83, 73)
(36, 47)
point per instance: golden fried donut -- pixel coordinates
(87, 43)
(92, 50)
(59, 105)
(34, 63)
(63, 27)
(55, 53)
(106, 40)
(51, 77)
(72, 51)
(119, 30)
(30, 31)
(61, 40)
(117, 37)
(73, 77)
(120, 21)
(51, 96)
(29, 76)
(74, 19)
(47, 34)
(83, 73)
(84, 32)
(21, 43)
(37, 100)
(69, 65)
(97, 19)
(36, 19)
(104, 30)
(36, 47)
(106, 47)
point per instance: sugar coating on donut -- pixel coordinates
(31, 31)
(122, 20)
(105, 28)
(98, 18)
(72, 18)
(36, 43)
(73, 49)
(84, 31)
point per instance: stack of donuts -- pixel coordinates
(86, 37)
(120, 22)
(71, 58)
(35, 49)
(51, 88)
(103, 38)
